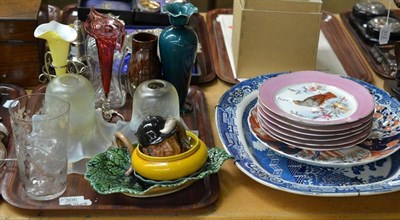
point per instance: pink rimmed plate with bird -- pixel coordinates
(316, 98)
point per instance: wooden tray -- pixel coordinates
(8, 92)
(203, 59)
(218, 50)
(346, 52)
(364, 46)
(199, 195)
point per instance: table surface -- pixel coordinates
(241, 197)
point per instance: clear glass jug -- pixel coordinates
(117, 90)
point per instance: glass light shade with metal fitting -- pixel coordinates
(154, 98)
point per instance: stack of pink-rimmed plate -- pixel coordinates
(315, 110)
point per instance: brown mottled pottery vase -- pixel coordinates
(144, 63)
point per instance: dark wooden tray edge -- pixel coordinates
(344, 49)
(218, 49)
(204, 59)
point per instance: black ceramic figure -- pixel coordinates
(178, 47)
(161, 138)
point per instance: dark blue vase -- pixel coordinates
(178, 47)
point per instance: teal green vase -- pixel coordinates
(178, 47)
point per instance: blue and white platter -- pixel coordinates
(269, 168)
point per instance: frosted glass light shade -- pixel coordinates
(156, 98)
(78, 91)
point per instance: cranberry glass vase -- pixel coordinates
(109, 34)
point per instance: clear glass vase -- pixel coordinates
(117, 90)
(109, 36)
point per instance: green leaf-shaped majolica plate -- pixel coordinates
(106, 174)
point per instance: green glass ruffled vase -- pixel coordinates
(178, 47)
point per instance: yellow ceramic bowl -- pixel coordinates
(172, 167)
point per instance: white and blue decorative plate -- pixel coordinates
(271, 169)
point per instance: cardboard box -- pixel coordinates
(21, 54)
(273, 36)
